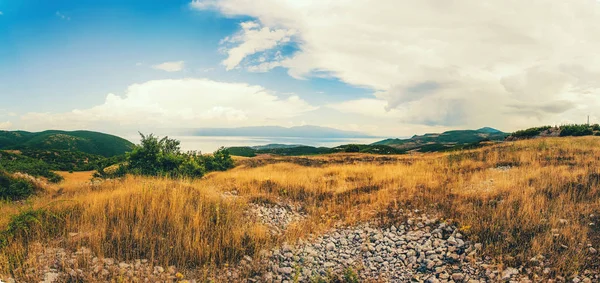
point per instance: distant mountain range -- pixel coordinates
(445, 140)
(77, 141)
(450, 140)
(277, 131)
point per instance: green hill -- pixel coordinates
(89, 142)
(446, 140)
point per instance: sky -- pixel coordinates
(386, 67)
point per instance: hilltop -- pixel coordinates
(447, 140)
(89, 142)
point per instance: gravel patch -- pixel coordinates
(62, 265)
(276, 216)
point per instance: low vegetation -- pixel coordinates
(531, 132)
(163, 157)
(519, 199)
(16, 187)
(14, 162)
(569, 130)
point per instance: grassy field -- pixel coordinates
(519, 199)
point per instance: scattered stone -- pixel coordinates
(277, 216)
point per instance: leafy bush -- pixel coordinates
(163, 157)
(219, 161)
(12, 188)
(576, 130)
(531, 132)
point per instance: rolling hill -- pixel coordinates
(82, 141)
(446, 140)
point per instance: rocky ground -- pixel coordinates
(276, 216)
(421, 249)
(62, 265)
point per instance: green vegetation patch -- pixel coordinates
(89, 142)
(163, 157)
(12, 163)
(15, 188)
(576, 130)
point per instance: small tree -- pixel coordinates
(219, 161)
(163, 157)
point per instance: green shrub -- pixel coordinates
(220, 160)
(531, 132)
(576, 130)
(12, 188)
(163, 157)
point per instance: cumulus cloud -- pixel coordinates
(174, 66)
(462, 63)
(177, 103)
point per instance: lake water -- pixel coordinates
(210, 144)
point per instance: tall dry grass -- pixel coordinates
(510, 197)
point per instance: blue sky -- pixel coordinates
(393, 68)
(63, 63)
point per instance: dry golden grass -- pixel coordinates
(192, 224)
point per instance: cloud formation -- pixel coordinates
(177, 103)
(252, 39)
(173, 66)
(463, 63)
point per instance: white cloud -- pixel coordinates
(465, 63)
(252, 39)
(174, 66)
(62, 16)
(367, 106)
(5, 125)
(181, 103)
